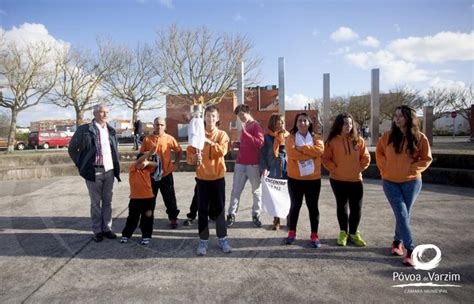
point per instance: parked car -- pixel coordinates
(46, 139)
(18, 144)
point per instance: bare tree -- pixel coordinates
(439, 99)
(133, 79)
(338, 105)
(396, 97)
(80, 76)
(461, 100)
(29, 76)
(359, 108)
(4, 121)
(195, 63)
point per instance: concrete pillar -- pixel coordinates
(326, 106)
(281, 85)
(374, 107)
(428, 123)
(471, 122)
(240, 94)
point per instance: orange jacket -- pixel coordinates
(344, 161)
(140, 182)
(212, 166)
(313, 152)
(399, 168)
(164, 145)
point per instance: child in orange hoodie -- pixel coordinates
(210, 171)
(345, 157)
(304, 150)
(402, 154)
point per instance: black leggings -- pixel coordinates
(310, 189)
(166, 186)
(140, 210)
(351, 192)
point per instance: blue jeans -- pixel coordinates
(401, 197)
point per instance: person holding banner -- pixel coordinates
(402, 154)
(210, 171)
(273, 157)
(345, 157)
(304, 150)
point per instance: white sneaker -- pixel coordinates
(202, 247)
(124, 240)
(223, 243)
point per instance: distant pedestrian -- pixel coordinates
(304, 149)
(165, 144)
(210, 172)
(247, 166)
(402, 154)
(141, 205)
(345, 157)
(93, 149)
(137, 133)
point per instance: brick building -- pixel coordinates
(263, 102)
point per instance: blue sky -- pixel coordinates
(415, 43)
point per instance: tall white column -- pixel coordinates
(240, 94)
(428, 123)
(281, 85)
(326, 106)
(374, 107)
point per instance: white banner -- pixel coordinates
(275, 197)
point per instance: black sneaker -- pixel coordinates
(230, 220)
(98, 237)
(256, 221)
(188, 222)
(110, 235)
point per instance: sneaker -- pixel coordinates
(124, 240)
(230, 220)
(202, 247)
(188, 222)
(110, 234)
(397, 248)
(173, 224)
(276, 223)
(408, 260)
(145, 241)
(357, 240)
(291, 237)
(256, 221)
(98, 237)
(223, 243)
(315, 242)
(342, 238)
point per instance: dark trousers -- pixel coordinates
(193, 209)
(310, 190)
(140, 210)
(211, 195)
(345, 192)
(166, 186)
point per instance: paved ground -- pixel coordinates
(47, 256)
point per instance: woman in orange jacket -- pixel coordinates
(210, 187)
(345, 157)
(402, 154)
(304, 150)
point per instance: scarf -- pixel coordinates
(303, 141)
(279, 140)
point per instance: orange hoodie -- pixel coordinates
(344, 161)
(313, 152)
(213, 163)
(400, 168)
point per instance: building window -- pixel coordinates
(182, 130)
(233, 125)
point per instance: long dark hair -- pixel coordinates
(295, 127)
(337, 126)
(412, 134)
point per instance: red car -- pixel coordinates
(46, 139)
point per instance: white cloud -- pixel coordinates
(30, 33)
(441, 83)
(442, 47)
(370, 42)
(393, 70)
(167, 3)
(397, 28)
(342, 50)
(238, 17)
(344, 34)
(296, 101)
